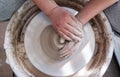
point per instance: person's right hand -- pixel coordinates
(69, 49)
(65, 24)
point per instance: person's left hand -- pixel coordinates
(68, 27)
(65, 24)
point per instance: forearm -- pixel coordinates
(93, 8)
(46, 5)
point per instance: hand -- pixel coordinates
(69, 49)
(65, 24)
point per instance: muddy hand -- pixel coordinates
(69, 49)
(65, 24)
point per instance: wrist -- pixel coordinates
(52, 10)
(46, 5)
(79, 19)
(51, 5)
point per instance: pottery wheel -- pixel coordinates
(30, 41)
(42, 46)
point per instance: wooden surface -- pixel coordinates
(5, 70)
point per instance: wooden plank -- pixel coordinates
(5, 70)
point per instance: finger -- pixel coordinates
(78, 29)
(73, 18)
(65, 57)
(67, 47)
(55, 27)
(75, 25)
(72, 29)
(70, 51)
(78, 24)
(58, 30)
(71, 35)
(64, 36)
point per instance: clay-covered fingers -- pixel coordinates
(70, 35)
(62, 34)
(78, 24)
(65, 24)
(69, 49)
(66, 47)
(67, 34)
(73, 28)
(76, 28)
(70, 31)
